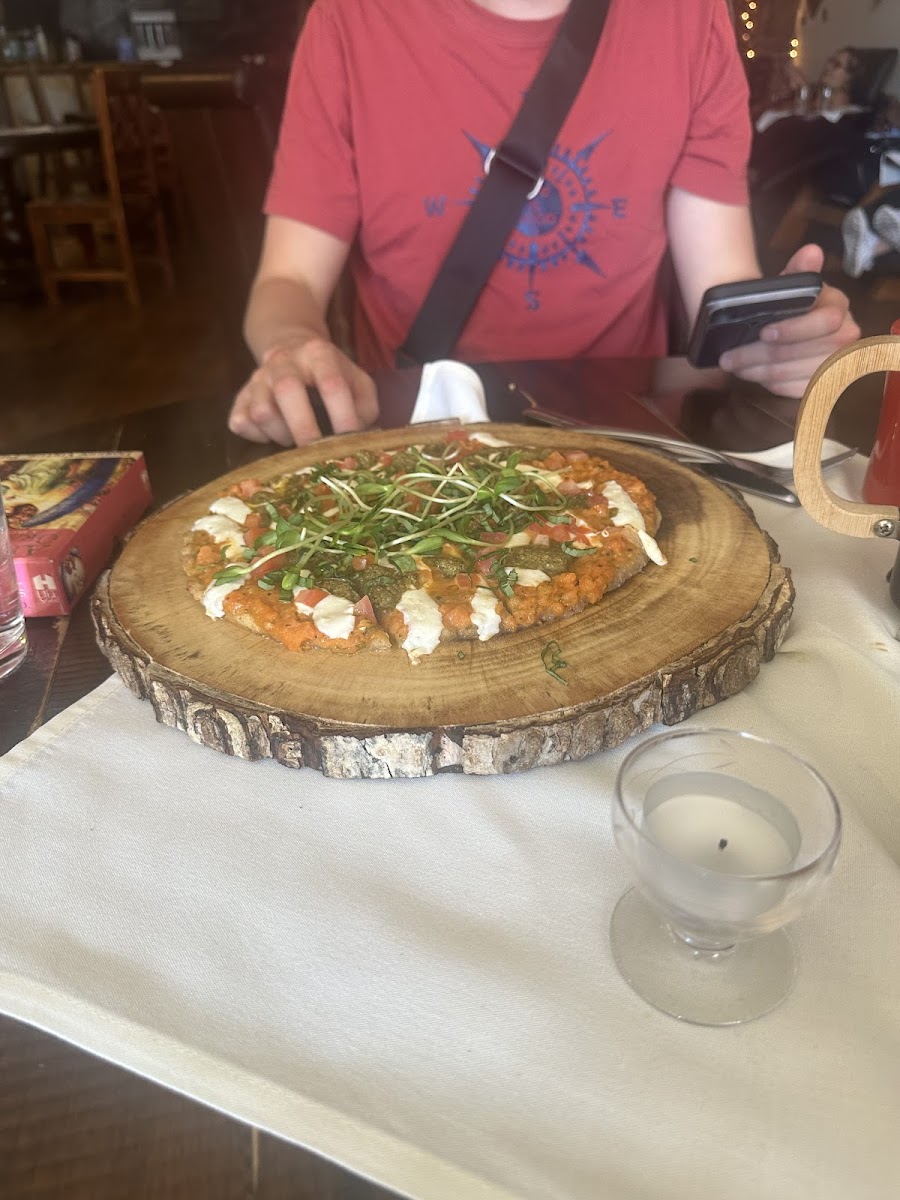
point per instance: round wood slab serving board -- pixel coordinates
(669, 642)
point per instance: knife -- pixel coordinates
(747, 481)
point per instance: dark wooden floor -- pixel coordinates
(73, 1127)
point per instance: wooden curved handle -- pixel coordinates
(825, 388)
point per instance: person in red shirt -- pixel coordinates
(392, 109)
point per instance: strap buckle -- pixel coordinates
(489, 162)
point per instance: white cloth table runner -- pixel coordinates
(413, 978)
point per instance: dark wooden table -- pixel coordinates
(60, 1107)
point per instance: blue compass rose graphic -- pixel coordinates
(556, 225)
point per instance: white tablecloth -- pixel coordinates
(413, 978)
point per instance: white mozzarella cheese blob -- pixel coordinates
(334, 616)
(223, 531)
(214, 596)
(518, 539)
(485, 614)
(423, 623)
(530, 578)
(233, 508)
(629, 514)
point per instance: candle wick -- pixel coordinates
(723, 842)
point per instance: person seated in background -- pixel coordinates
(870, 232)
(392, 110)
(831, 96)
(805, 125)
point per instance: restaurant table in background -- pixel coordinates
(17, 271)
(186, 446)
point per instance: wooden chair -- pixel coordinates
(131, 198)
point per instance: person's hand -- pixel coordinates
(788, 352)
(274, 405)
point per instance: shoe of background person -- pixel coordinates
(860, 243)
(886, 224)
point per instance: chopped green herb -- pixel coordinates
(506, 577)
(229, 575)
(694, 560)
(553, 662)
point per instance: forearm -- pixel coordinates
(282, 312)
(711, 243)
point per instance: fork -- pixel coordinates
(687, 452)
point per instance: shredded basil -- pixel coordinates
(554, 662)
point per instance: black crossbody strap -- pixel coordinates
(514, 176)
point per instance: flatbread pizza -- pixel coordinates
(466, 538)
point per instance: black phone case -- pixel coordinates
(719, 329)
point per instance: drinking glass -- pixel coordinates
(13, 645)
(727, 837)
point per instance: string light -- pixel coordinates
(756, 19)
(747, 19)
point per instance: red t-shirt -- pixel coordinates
(393, 105)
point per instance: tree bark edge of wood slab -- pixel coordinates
(714, 672)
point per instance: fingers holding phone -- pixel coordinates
(774, 331)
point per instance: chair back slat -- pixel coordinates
(123, 116)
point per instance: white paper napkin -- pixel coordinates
(783, 455)
(449, 390)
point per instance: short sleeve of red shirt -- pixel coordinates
(714, 160)
(314, 179)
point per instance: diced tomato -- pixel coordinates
(554, 461)
(497, 537)
(278, 563)
(246, 489)
(555, 533)
(486, 565)
(254, 526)
(569, 487)
(457, 435)
(310, 596)
(574, 456)
(348, 464)
(363, 608)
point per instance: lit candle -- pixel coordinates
(729, 829)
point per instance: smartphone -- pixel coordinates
(732, 314)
